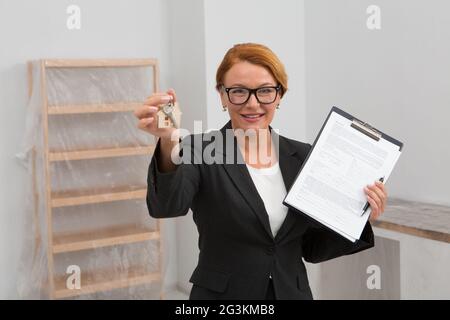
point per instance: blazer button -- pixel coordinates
(270, 250)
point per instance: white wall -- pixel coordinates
(188, 78)
(37, 29)
(396, 78)
(277, 24)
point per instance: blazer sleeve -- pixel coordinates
(321, 244)
(171, 194)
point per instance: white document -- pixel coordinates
(330, 186)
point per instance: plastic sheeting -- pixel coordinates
(119, 253)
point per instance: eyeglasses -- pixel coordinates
(240, 95)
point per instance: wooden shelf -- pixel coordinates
(101, 238)
(89, 284)
(100, 153)
(419, 219)
(91, 63)
(93, 108)
(76, 198)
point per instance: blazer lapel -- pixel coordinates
(289, 166)
(241, 178)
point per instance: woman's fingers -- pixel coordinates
(379, 194)
(145, 112)
(377, 198)
(373, 199)
(172, 93)
(382, 187)
(381, 190)
(375, 210)
(151, 104)
(144, 123)
(158, 99)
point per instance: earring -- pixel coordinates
(224, 108)
(278, 106)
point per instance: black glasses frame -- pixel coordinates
(252, 92)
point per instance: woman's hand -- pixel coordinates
(148, 122)
(146, 114)
(377, 198)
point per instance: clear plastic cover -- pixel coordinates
(89, 234)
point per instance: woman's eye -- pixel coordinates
(265, 90)
(238, 91)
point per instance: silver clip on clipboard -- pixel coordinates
(367, 129)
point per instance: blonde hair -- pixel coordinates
(256, 54)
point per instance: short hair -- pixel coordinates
(257, 54)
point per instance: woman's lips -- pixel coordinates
(252, 117)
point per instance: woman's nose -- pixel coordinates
(252, 101)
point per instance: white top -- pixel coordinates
(270, 185)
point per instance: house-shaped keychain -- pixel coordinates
(169, 116)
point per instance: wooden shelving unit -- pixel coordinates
(88, 240)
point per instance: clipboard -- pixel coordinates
(359, 125)
(372, 135)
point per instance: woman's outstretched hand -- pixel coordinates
(147, 117)
(146, 114)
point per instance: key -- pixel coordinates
(168, 111)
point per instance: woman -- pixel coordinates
(251, 245)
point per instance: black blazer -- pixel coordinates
(237, 249)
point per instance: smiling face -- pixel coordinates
(252, 114)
